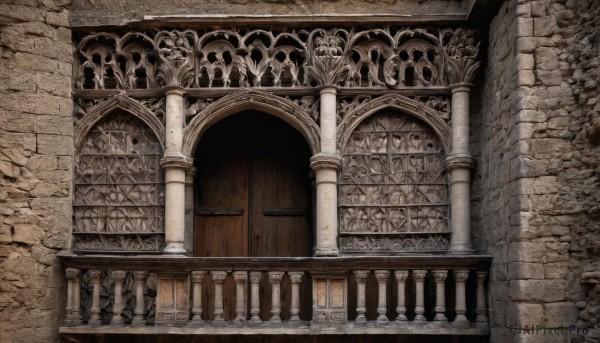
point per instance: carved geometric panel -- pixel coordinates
(172, 300)
(330, 298)
(119, 188)
(393, 189)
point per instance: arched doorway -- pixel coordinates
(252, 190)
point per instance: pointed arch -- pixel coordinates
(118, 102)
(401, 103)
(282, 108)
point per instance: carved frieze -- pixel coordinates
(345, 57)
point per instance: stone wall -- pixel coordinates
(538, 176)
(35, 166)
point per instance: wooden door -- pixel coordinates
(252, 189)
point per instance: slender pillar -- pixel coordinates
(439, 276)
(240, 295)
(190, 177)
(175, 165)
(139, 279)
(459, 162)
(73, 296)
(481, 309)
(326, 165)
(96, 278)
(401, 276)
(275, 279)
(197, 281)
(460, 277)
(118, 277)
(255, 296)
(295, 278)
(419, 276)
(382, 276)
(361, 277)
(218, 278)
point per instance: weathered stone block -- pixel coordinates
(524, 271)
(538, 9)
(527, 252)
(545, 185)
(549, 78)
(53, 125)
(538, 290)
(27, 233)
(525, 78)
(523, 166)
(524, 27)
(54, 144)
(5, 234)
(553, 146)
(544, 26)
(563, 313)
(523, 312)
(556, 270)
(526, 45)
(524, 62)
(546, 58)
(42, 162)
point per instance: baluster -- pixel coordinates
(361, 277)
(139, 279)
(401, 276)
(275, 279)
(382, 276)
(218, 278)
(118, 277)
(481, 308)
(197, 280)
(419, 276)
(96, 278)
(240, 295)
(295, 278)
(460, 276)
(73, 296)
(254, 296)
(439, 276)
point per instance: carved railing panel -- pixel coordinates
(347, 57)
(393, 187)
(119, 188)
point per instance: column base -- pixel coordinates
(327, 251)
(174, 249)
(460, 250)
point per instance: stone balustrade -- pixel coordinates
(414, 295)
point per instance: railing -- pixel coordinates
(343, 295)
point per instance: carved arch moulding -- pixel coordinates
(378, 58)
(236, 102)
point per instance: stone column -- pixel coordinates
(401, 276)
(240, 295)
(460, 277)
(176, 165)
(440, 295)
(382, 276)
(190, 177)
(295, 279)
(139, 279)
(275, 279)
(96, 278)
(218, 278)
(326, 165)
(73, 296)
(118, 277)
(197, 280)
(481, 308)
(459, 163)
(419, 276)
(361, 277)
(255, 297)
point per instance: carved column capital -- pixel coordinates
(361, 275)
(240, 276)
(419, 275)
(382, 275)
(461, 56)
(176, 161)
(255, 276)
(140, 275)
(118, 275)
(439, 275)
(96, 275)
(295, 277)
(325, 160)
(275, 276)
(464, 161)
(461, 275)
(218, 276)
(401, 275)
(72, 273)
(481, 275)
(198, 276)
